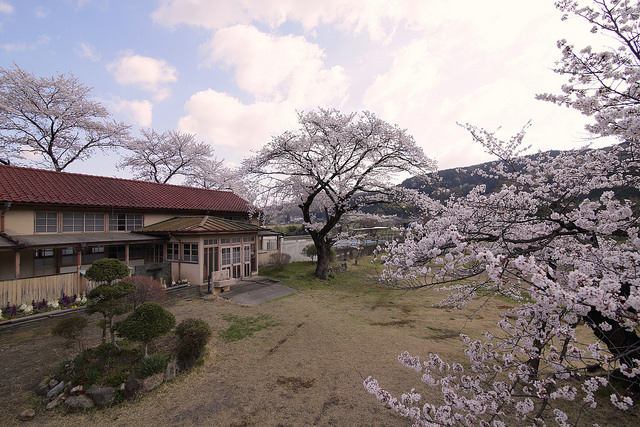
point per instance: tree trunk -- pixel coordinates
(324, 255)
(623, 344)
(112, 331)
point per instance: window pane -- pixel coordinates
(46, 222)
(226, 256)
(72, 222)
(92, 253)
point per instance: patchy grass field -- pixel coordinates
(298, 360)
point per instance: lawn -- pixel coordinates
(298, 360)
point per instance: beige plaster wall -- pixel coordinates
(19, 221)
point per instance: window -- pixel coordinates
(190, 252)
(236, 240)
(43, 257)
(236, 255)
(226, 256)
(116, 252)
(210, 242)
(92, 253)
(136, 252)
(125, 222)
(249, 239)
(46, 222)
(93, 222)
(69, 256)
(225, 240)
(173, 251)
(72, 222)
(155, 253)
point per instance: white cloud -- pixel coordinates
(86, 50)
(378, 18)
(146, 73)
(14, 47)
(277, 68)
(137, 111)
(6, 8)
(224, 121)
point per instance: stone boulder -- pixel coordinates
(56, 389)
(101, 396)
(131, 389)
(170, 372)
(27, 415)
(80, 401)
(55, 402)
(152, 382)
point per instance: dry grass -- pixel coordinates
(306, 368)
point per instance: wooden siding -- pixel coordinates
(23, 291)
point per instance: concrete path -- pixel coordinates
(256, 290)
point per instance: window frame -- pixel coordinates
(50, 222)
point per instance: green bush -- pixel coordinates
(72, 329)
(153, 364)
(147, 322)
(310, 251)
(107, 270)
(193, 336)
(109, 300)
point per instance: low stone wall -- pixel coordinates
(184, 291)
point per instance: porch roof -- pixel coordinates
(75, 239)
(200, 224)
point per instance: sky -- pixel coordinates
(237, 72)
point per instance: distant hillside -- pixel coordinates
(459, 181)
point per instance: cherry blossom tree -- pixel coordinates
(161, 157)
(559, 238)
(333, 164)
(51, 121)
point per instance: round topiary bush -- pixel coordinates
(147, 322)
(193, 336)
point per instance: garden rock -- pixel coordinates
(43, 390)
(55, 402)
(27, 415)
(55, 390)
(76, 389)
(53, 383)
(152, 382)
(102, 396)
(80, 401)
(131, 389)
(170, 372)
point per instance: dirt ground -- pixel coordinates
(307, 370)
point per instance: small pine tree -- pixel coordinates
(147, 322)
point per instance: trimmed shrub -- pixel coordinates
(279, 260)
(193, 336)
(147, 322)
(109, 300)
(147, 290)
(107, 270)
(310, 251)
(72, 329)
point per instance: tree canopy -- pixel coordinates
(333, 164)
(558, 238)
(52, 119)
(161, 157)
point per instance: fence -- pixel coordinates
(19, 291)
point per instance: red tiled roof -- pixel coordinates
(37, 186)
(200, 224)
